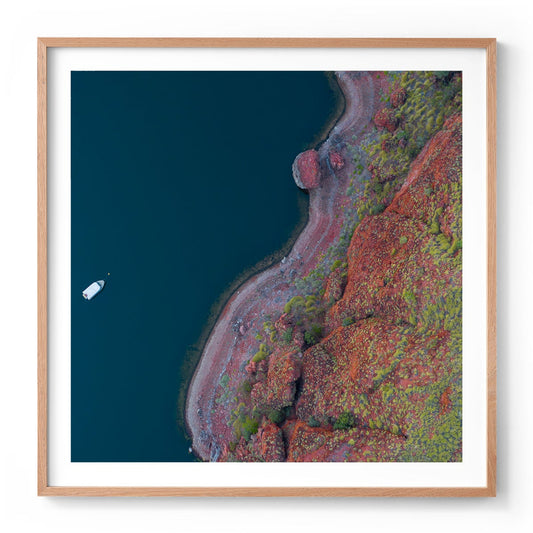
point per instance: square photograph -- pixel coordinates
(266, 266)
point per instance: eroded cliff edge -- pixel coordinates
(350, 348)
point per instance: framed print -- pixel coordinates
(267, 267)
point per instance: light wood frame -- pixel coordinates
(44, 489)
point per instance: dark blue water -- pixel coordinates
(180, 181)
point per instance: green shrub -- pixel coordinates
(249, 427)
(245, 387)
(309, 338)
(313, 422)
(377, 209)
(295, 301)
(443, 242)
(409, 296)
(456, 245)
(314, 334)
(387, 391)
(260, 355)
(275, 416)
(345, 421)
(348, 321)
(310, 300)
(287, 335)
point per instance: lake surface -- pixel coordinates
(180, 182)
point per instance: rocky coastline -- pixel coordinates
(327, 179)
(360, 360)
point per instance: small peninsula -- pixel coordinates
(350, 348)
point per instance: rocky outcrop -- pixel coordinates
(306, 170)
(269, 443)
(393, 357)
(384, 383)
(398, 97)
(278, 391)
(336, 160)
(335, 286)
(386, 119)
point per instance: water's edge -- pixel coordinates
(194, 352)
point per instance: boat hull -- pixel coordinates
(93, 289)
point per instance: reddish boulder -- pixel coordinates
(386, 119)
(283, 323)
(336, 160)
(306, 170)
(283, 372)
(251, 367)
(398, 97)
(335, 285)
(262, 366)
(269, 443)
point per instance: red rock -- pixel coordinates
(336, 160)
(386, 119)
(306, 170)
(398, 97)
(270, 443)
(433, 170)
(262, 366)
(251, 367)
(242, 453)
(283, 323)
(298, 338)
(334, 286)
(283, 371)
(258, 393)
(445, 402)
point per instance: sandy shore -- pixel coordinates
(227, 349)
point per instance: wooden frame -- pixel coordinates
(44, 489)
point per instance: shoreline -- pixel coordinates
(221, 302)
(335, 115)
(224, 351)
(191, 362)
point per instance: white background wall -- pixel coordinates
(22, 21)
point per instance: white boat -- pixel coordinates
(93, 289)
